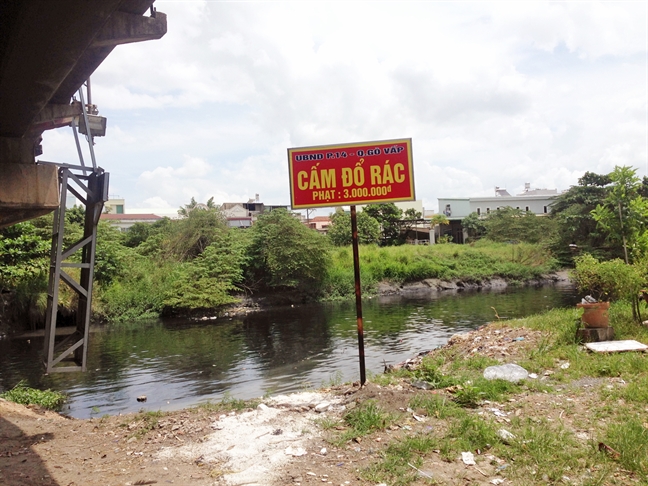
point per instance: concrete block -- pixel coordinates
(595, 334)
(27, 191)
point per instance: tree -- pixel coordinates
(412, 213)
(388, 215)
(572, 211)
(188, 237)
(111, 257)
(437, 220)
(284, 253)
(137, 234)
(474, 226)
(156, 236)
(623, 215)
(207, 281)
(340, 230)
(188, 208)
(510, 224)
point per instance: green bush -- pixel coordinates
(139, 293)
(23, 254)
(286, 254)
(25, 395)
(608, 280)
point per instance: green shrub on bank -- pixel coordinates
(285, 254)
(25, 395)
(607, 280)
(139, 294)
(407, 263)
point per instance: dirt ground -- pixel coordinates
(280, 442)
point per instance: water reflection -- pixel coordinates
(178, 363)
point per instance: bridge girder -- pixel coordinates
(47, 51)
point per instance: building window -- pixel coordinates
(487, 210)
(527, 208)
(119, 209)
(478, 211)
(447, 211)
(517, 207)
(545, 209)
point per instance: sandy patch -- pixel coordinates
(248, 448)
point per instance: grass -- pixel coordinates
(437, 406)
(143, 423)
(386, 379)
(229, 404)
(543, 450)
(327, 423)
(592, 433)
(396, 467)
(472, 394)
(365, 418)
(469, 433)
(408, 263)
(630, 439)
(25, 395)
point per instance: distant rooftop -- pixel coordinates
(501, 192)
(129, 217)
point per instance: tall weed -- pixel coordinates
(408, 263)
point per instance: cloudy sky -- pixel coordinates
(492, 94)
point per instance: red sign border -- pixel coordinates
(338, 146)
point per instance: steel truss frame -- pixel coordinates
(90, 186)
(93, 192)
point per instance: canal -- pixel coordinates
(180, 363)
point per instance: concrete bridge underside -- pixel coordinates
(48, 49)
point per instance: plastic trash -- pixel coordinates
(322, 407)
(468, 458)
(295, 451)
(509, 372)
(505, 435)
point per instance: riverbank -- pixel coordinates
(265, 301)
(579, 419)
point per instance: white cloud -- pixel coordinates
(491, 93)
(157, 202)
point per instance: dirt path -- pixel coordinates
(195, 446)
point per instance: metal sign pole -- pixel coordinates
(349, 174)
(358, 294)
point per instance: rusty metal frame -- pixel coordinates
(90, 187)
(92, 191)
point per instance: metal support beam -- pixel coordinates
(74, 348)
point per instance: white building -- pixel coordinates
(536, 201)
(124, 221)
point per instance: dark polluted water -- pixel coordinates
(180, 363)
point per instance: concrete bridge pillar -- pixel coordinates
(27, 190)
